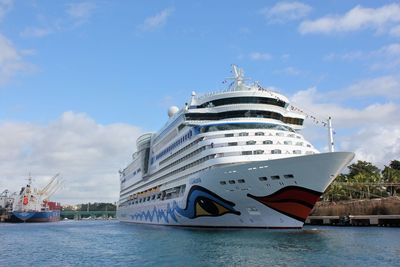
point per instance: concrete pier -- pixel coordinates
(355, 220)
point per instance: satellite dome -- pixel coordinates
(172, 110)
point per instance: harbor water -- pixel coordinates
(111, 243)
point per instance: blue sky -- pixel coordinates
(82, 79)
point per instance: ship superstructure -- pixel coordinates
(233, 158)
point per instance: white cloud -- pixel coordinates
(286, 11)
(11, 62)
(395, 31)
(379, 145)
(371, 131)
(35, 32)
(87, 154)
(379, 19)
(5, 6)
(81, 12)
(291, 71)
(386, 86)
(157, 21)
(259, 56)
(386, 57)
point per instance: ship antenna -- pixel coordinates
(238, 79)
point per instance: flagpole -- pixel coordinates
(330, 135)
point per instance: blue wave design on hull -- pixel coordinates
(199, 202)
(158, 214)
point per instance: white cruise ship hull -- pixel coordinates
(276, 193)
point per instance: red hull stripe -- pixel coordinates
(293, 201)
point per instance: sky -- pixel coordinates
(81, 80)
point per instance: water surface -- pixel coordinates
(111, 243)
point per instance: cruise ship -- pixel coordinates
(234, 158)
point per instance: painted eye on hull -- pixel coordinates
(202, 202)
(206, 207)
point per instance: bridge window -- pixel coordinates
(243, 114)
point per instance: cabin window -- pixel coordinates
(258, 152)
(241, 181)
(275, 177)
(288, 176)
(263, 178)
(232, 181)
(252, 142)
(222, 183)
(259, 134)
(276, 151)
(267, 142)
(247, 152)
(243, 134)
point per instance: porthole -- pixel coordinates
(241, 181)
(232, 181)
(275, 177)
(288, 176)
(263, 178)
(222, 182)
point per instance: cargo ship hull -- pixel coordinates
(35, 216)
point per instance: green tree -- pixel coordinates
(391, 174)
(395, 164)
(364, 167)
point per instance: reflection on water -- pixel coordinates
(100, 243)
